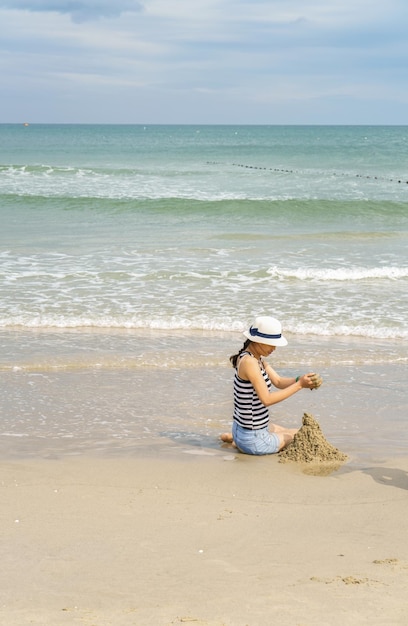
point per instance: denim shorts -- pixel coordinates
(255, 441)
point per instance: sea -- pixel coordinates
(132, 257)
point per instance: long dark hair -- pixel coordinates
(234, 358)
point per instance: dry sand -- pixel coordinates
(224, 540)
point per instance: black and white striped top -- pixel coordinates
(249, 412)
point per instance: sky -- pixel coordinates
(204, 61)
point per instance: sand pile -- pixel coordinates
(310, 446)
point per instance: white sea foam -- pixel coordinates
(203, 323)
(198, 181)
(341, 273)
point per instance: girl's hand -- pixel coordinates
(317, 380)
(311, 381)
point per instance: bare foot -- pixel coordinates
(227, 438)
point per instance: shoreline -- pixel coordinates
(102, 412)
(211, 541)
(134, 393)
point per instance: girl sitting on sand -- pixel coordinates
(254, 377)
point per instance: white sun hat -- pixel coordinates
(266, 330)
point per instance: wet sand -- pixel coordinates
(228, 540)
(121, 412)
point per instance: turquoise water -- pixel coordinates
(133, 226)
(149, 248)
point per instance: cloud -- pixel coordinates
(222, 61)
(79, 10)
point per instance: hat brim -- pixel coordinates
(281, 341)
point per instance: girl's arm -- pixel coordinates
(249, 370)
(280, 382)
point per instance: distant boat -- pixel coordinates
(26, 124)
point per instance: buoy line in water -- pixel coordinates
(286, 171)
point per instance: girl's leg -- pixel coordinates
(285, 437)
(275, 428)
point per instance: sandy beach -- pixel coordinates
(224, 540)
